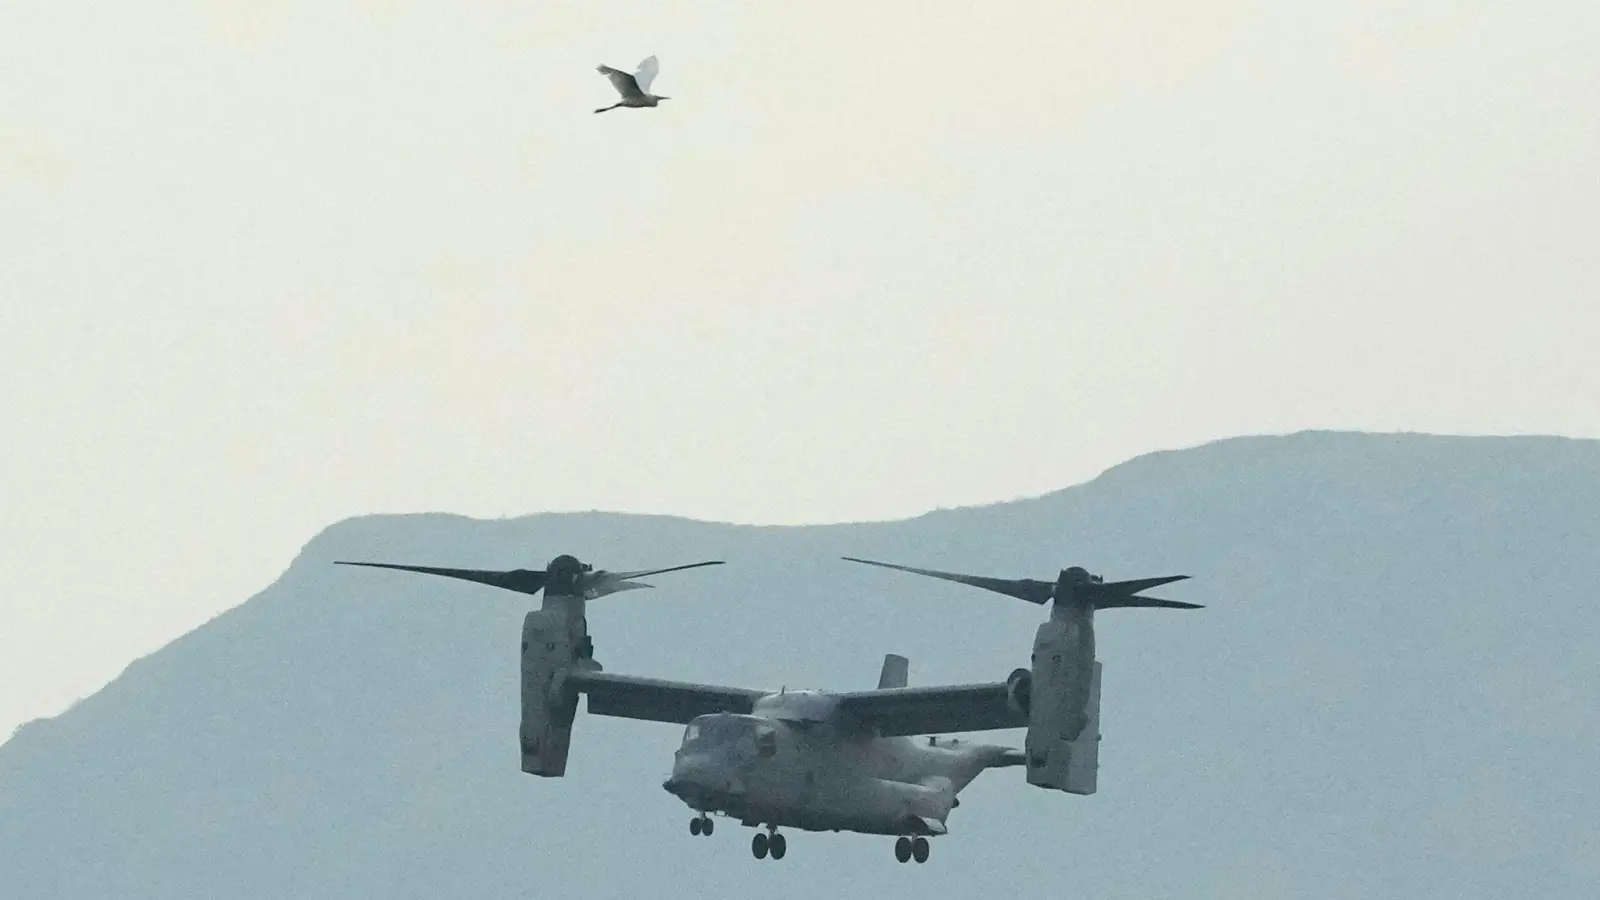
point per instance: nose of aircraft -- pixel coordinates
(695, 773)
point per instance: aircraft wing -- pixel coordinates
(657, 700)
(929, 710)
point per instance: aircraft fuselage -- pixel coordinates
(808, 775)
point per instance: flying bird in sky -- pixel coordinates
(635, 88)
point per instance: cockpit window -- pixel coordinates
(718, 731)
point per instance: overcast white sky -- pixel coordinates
(268, 264)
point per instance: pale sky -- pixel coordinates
(266, 265)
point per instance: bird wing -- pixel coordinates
(647, 73)
(623, 82)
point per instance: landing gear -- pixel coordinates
(907, 849)
(702, 825)
(773, 843)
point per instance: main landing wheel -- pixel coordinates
(907, 849)
(761, 845)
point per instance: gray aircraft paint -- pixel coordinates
(818, 778)
(809, 759)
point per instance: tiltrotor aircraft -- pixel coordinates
(823, 760)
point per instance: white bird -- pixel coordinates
(635, 88)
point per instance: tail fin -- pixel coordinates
(895, 670)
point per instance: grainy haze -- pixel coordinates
(1392, 693)
(270, 264)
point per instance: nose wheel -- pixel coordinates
(763, 844)
(907, 849)
(701, 824)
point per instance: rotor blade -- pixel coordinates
(643, 572)
(1138, 584)
(1143, 602)
(524, 581)
(1021, 588)
(611, 586)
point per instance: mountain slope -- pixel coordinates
(1392, 692)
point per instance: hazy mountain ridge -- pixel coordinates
(1393, 690)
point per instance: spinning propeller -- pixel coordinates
(1072, 584)
(565, 577)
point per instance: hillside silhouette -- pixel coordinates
(1393, 692)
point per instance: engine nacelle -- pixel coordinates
(553, 642)
(1063, 705)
